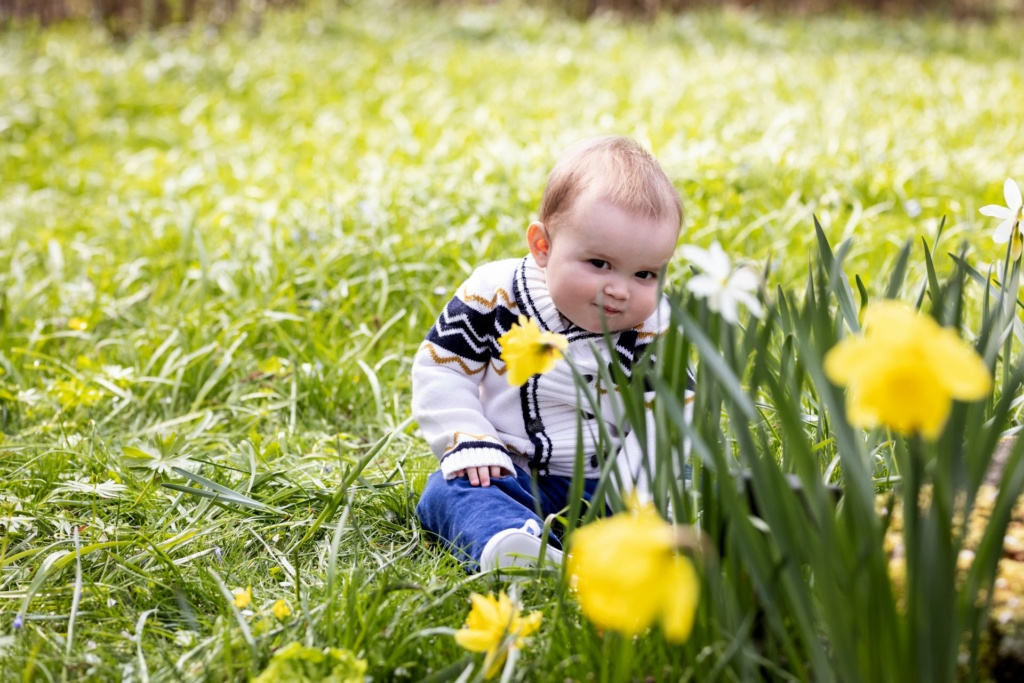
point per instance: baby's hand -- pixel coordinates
(481, 476)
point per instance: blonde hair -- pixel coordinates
(617, 169)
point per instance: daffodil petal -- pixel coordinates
(557, 342)
(493, 663)
(859, 412)
(729, 309)
(995, 211)
(693, 254)
(718, 261)
(751, 302)
(506, 610)
(474, 641)
(702, 285)
(682, 591)
(932, 423)
(1003, 232)
(891, 316)
(530, 624)
(484, 607)
(963, 371)
(1011, 193)
(843, 362)
(743, 278)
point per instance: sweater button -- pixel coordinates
(535, 425)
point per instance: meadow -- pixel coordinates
(220, 249)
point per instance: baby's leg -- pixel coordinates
(554, 496)
(465, 517)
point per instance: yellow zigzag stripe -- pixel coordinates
(446, 360)
(490, 303)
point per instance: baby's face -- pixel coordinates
(602, 264)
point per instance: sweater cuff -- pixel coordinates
(475, 454)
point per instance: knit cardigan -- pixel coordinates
(472, 417)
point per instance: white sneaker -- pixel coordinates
(517, 548)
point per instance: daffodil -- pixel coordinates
(281, 610)
(1011, 217)
(905, 370)
(495, 626)
(627, 574)
(527, 351)
(107, 489)
(243, 597)
(723, 286)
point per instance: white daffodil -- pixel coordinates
(16, 522)
(106, 489)
(722, 286)
(1011, 216)
(160, 461)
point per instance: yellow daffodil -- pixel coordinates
(905, 370)
(243, 597)
(494, 626)
(281, 610)
(527, 351)
(627, 574)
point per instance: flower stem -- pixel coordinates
(1009, 313)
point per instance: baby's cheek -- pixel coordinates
(649, 302)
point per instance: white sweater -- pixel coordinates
(472, 417)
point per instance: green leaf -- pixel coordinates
(899, 272)
(837, 279)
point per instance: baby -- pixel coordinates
(608, 225)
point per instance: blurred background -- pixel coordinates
(125, 16)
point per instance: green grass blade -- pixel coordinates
(899, 272)
(837, 278)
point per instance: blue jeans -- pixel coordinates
(465, 517)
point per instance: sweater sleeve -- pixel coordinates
(446, 376)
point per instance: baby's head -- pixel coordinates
(608, 226)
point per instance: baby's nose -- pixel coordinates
(616, 289)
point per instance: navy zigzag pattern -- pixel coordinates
(466, 332)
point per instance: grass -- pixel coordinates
(241, 239)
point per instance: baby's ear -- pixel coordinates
(539, 243)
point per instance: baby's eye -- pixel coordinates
(598, 263)
(646, 275)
